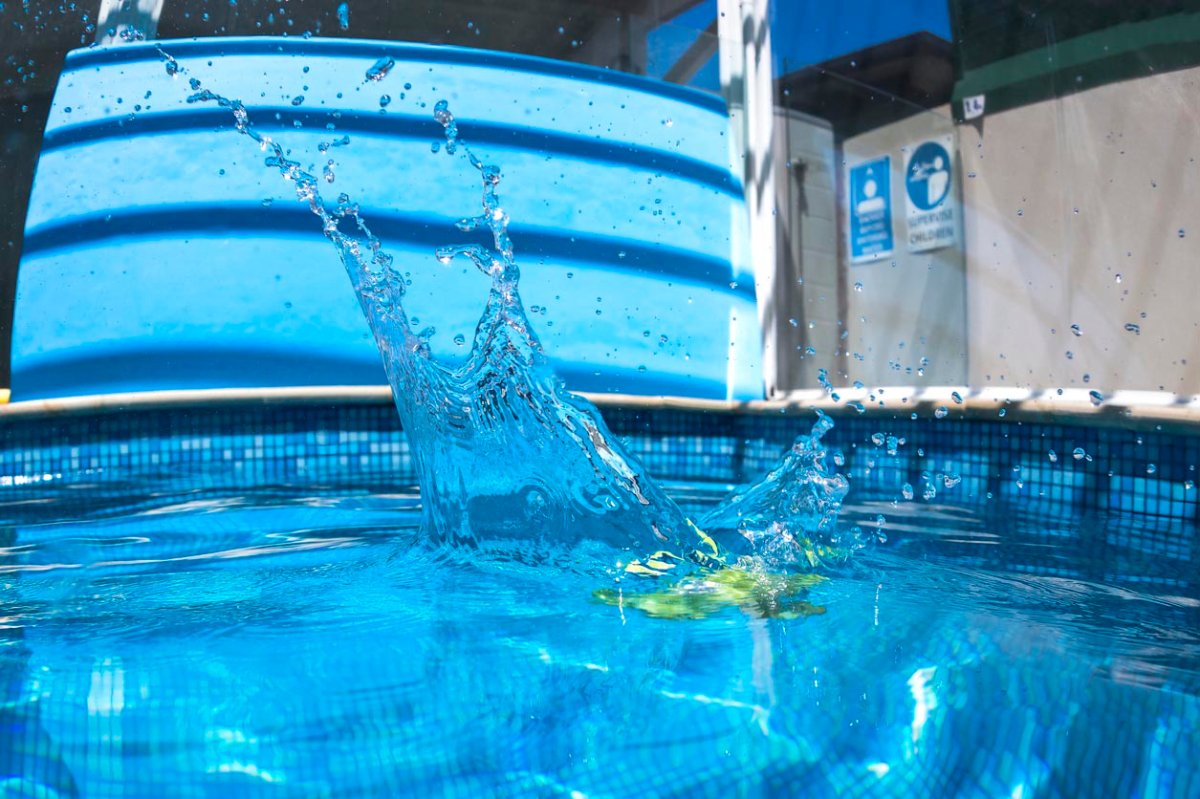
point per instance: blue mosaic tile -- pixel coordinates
(1146, 476)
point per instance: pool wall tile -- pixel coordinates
(1055, 470)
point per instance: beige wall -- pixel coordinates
(804, 304)
(912, 305)
(1067, 195)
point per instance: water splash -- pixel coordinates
(504, 453)
(790, 516)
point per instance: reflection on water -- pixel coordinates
(382, 665)
(31, 761)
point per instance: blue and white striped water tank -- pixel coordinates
(160, 252)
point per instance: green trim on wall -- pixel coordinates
(1121, 52)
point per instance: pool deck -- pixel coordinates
(1131, 410)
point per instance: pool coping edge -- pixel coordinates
(1129, 410)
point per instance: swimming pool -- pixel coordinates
(226, 595)
(245, 592)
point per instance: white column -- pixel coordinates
(747, 81)
(127, 20)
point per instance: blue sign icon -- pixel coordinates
(871, 210)
(927, 180)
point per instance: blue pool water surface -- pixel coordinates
(160, 640)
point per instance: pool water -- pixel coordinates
(306, 641)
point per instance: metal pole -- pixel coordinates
(123, 21)
(747, 80)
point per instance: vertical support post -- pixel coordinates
(127, 20)
(747, 80)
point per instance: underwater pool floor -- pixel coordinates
(304, 642)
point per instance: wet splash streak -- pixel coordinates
(503, 452)
(790, 516)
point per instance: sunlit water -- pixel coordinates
(294, 642)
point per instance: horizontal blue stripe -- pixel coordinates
(407, 126)
(658, 261)
(106, 369)
(216, 47)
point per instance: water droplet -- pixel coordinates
(954, 395)
(1076, 330)
(1118, 277)
(1020, 212)
(1096, 397)
(1151, 468)
(877, 439)
(941, 412)
(1188, 485)
(298, 99)
(385, 100)
(1181, 232)
(1053, 456)
(1078, 453)
(907, 491)
(343, 15)
(1134, 328)
(380, 69)
(858, 287)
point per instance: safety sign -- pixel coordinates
(870, 211)
(929, 195)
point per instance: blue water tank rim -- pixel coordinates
(123, 368)
(408, 126)
(532, 241)
(99, 55)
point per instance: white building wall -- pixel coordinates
(905, 315)
(1074, 217)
